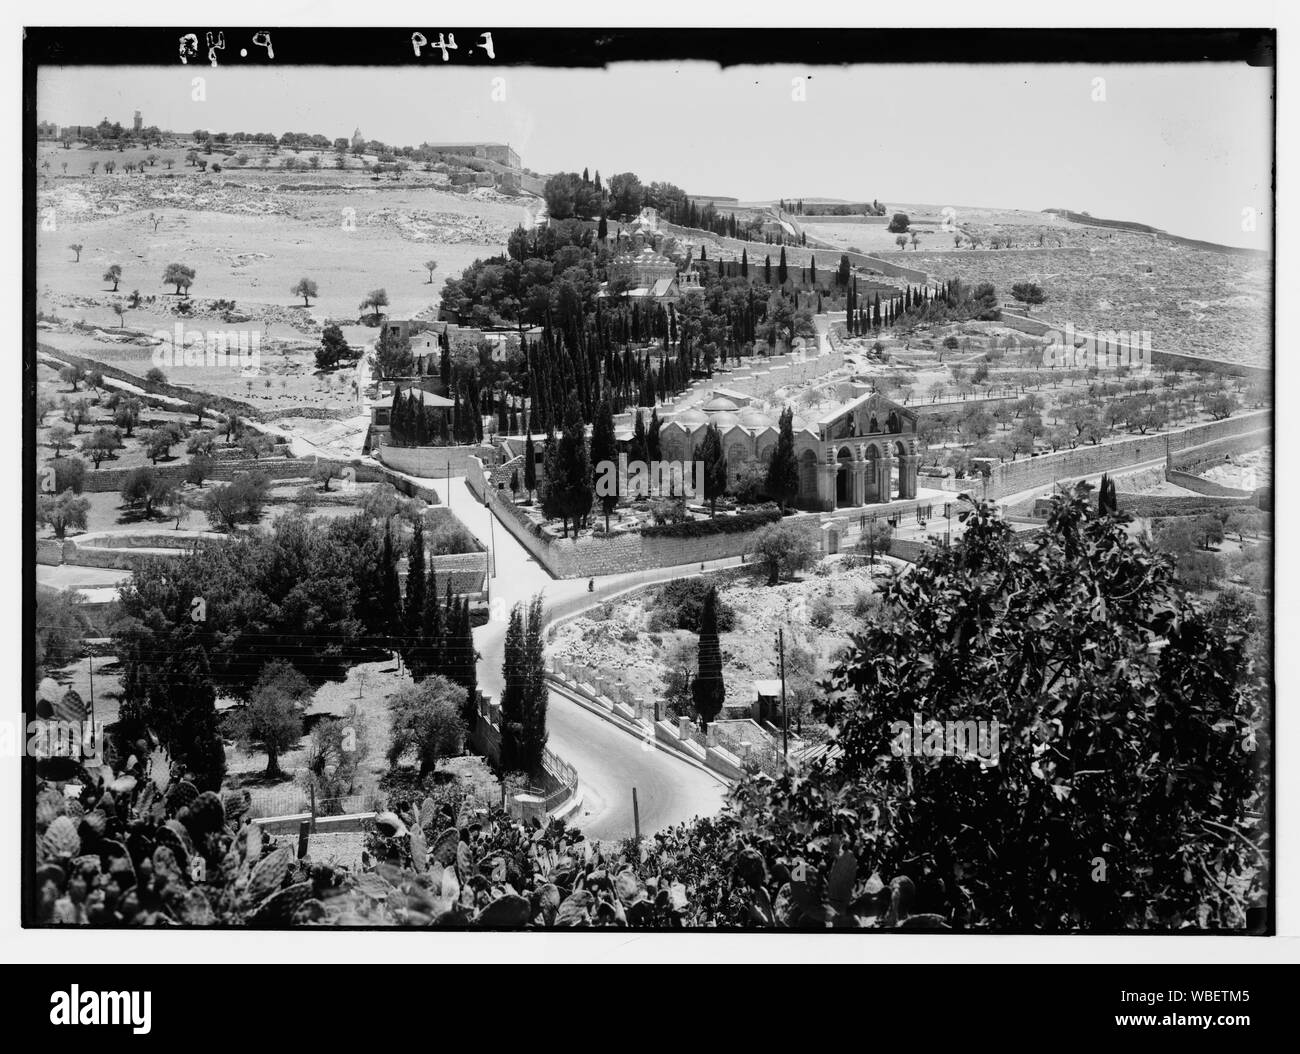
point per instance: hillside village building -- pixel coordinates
(499, 152)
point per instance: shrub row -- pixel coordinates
(745, 521)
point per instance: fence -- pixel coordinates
(562, 779)
(293, 800)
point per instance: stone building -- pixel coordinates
(860, 453)
(499, 152)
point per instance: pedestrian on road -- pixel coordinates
(591, 585)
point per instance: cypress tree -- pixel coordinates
(577, 466)
(715, 468)
(415, 584)
(512, 693)
(534, 688)
(812, 269)
(604, 453)
(420, 436)
(391, 591)
(781, 272)
(708, 689)
(652, 436)
(470, 664)
(530, 466)
(783, 470)
(395, 417)
(550, 493)
(744, 263)
(638, 449)
(767, 269)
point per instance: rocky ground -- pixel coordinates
(619, 635)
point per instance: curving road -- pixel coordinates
(610, 761)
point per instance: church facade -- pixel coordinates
(863, 452)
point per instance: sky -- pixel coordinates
(1185, 148)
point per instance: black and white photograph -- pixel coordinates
(810, 481)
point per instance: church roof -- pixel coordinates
(719, 403)
(873, 401)
(690, 417)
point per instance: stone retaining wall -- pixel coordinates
(1242, 432)
(431, 462)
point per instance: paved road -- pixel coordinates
(609, 760)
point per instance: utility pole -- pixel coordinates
(785, 714)
(492, 537)
(636, 817)
(447, 480)
(90, 657)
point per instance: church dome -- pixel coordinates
(752, 418)
(690, 418)
(720, 404)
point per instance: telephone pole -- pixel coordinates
(785, 714)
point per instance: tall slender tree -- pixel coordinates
(604, 455)
(535, 691)
(715, 468)
(708, 689)
(391, 590)
(415, 584)
(783, 470)
(512, 692)
(530, 466)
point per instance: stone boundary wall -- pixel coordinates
(637, 718)
(1152, 506)
(1160, 357)
(1207, 487)
(760, 376)
(1192, 458)
(592, 556)
(49, 551)
(1026, 473)
(1031, 252)
(220, 405)
(870, 221)
(103, 480)
(431, 462)
(798, 255)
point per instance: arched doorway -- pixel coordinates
(843, 478)
(897, 452)
(873, 474)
